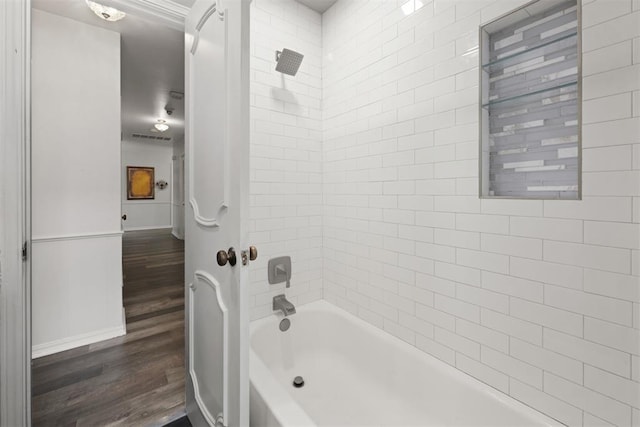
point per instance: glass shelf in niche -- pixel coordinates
(535, 95)
(568, 41)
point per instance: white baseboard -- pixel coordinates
(63, 344)
(176, 235)
(153, 227)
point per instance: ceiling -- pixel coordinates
(320, 6)
(152, 65)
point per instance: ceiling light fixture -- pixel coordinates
(105, 12)
(161, 125)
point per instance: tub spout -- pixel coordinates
(280, 303)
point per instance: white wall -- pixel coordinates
(77, 270)
(148, 214)
(540, 299)
(286, 157)
(178, 186)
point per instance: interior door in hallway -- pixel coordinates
(217, 150)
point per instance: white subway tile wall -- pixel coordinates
(286, 152)
(364, 169)
(539, 299)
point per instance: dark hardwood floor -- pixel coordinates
(134, 380)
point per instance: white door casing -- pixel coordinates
(216, 142)
(15, 230)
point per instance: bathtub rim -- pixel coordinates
(467, 379)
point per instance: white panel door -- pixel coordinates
(217, 192)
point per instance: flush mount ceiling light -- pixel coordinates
(161, 125)
(105, 12)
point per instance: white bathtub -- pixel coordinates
(358, 375)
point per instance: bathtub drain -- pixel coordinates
(298, 382)
(284, 324)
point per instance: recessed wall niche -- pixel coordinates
(530, 91)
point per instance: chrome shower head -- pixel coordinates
(288, 61)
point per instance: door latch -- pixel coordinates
(249, 255)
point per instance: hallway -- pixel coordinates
(137, 379)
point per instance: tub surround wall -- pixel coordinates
(539, 299)
(286, 154)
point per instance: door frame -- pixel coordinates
(15, 211)
(15, 193)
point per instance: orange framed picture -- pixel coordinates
(140, 183)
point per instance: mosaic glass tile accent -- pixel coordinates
(530, 103)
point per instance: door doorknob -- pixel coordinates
(226, 256)
(124, 217)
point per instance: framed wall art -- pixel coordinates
(140, 183)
